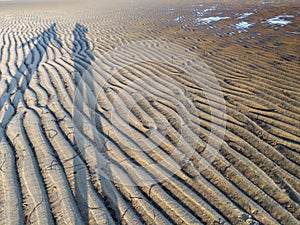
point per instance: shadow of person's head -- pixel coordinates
(81, 28)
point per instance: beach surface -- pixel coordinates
(150, 112)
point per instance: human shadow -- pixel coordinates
(30, 65)
(82, 57)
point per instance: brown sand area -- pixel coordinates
(150, 112)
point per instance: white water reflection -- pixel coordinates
(280, 20)
(243, 26)
(210, 19)
(244, 15)
(213, 8)
(179, 19)
(294, 32)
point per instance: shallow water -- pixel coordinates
(213, 8)
(244, 15)
(179, 19)
(243, 26)
(280, 20)
(211, 19)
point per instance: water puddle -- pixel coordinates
(202, 13)
(280, 20)
(264, 3)
(244, 15)
(210, 19)
(179, 19)
(294, 32)
(243, 26)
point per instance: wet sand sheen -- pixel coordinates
(177, 113)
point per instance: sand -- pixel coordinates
(150, 112)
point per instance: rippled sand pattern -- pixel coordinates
(139, 114)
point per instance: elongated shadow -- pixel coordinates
(84, 81)
(28, 68)
(24, 73)
(31, 63)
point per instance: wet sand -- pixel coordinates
(150, 113)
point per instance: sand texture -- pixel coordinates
(150, 113)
